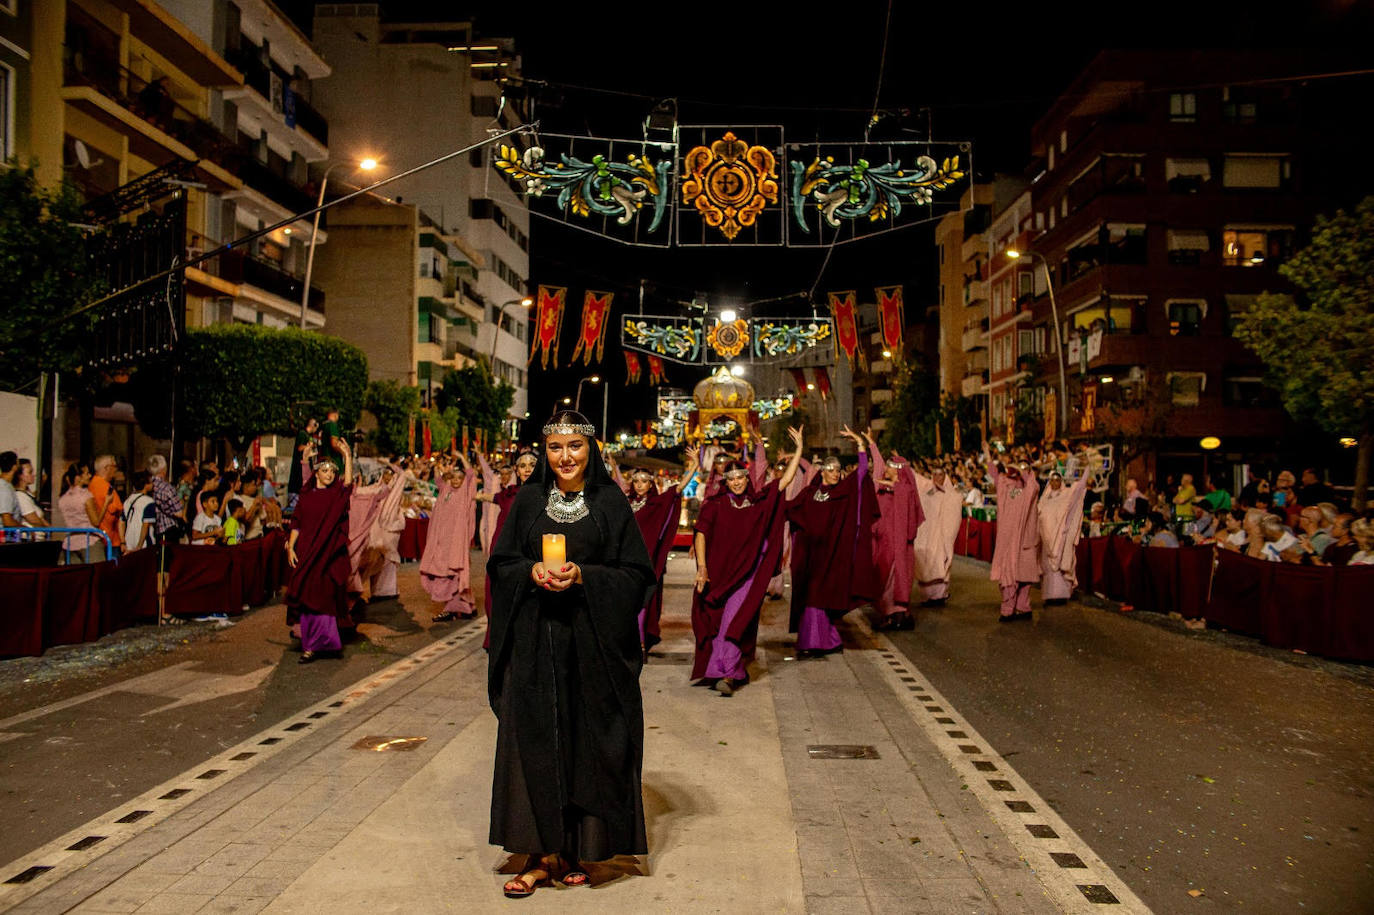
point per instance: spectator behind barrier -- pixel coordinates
(1279, 543)
(1363, 532)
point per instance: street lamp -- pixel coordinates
(526, 302)
(365, 165)
(1058, 341)
(594, 379)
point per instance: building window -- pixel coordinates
(1185, 388)
(1185, 318)
(6, 113)
(1186, 246)
(1109, 314)
(1240, 170)
(1025, 342)
(1186, 176)
(1247, 391)
(1257, 246)
(1063, 141)
(1183, 107)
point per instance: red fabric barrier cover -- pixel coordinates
(1083, 564)
(987, 543)
(1350, 624)
(1236, 592)
(413, 537)
(1296, 606)
(72, 604)
(1154, 584)
(204, 579)
(1120, 565)
(130, 591)
(21, 620)
(1194, 579)
(961, 539)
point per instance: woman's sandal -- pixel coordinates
(576, 876)
(518, 888)
(168, 619)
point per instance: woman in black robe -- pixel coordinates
(563, 675)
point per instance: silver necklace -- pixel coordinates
(563, 509)
(821, 496)
(637, 504)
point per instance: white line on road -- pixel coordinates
(1070, 870)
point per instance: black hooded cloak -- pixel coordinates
(563, 678)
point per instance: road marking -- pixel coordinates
(44, 866)
(1074, 876)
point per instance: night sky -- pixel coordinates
(979, 72)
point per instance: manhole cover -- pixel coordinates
(841, 751)
(384, 744)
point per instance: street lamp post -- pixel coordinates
(366, 165)
(593, 379)
(1058, 340)
(496, 330)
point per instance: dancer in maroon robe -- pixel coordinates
(1016, 558)
(317, 551)
(657, 515)
(832, 557)
(738, 542)
(894, 536)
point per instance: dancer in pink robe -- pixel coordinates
(1061, 526)
(1016, 558)
(445, 565)
(374, 552)
(894, 536)
(942, 508)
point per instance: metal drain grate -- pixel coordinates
(841, 751)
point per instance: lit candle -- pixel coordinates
(555, 551)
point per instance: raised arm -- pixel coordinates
(348, 462)
(876, 455)
(788, 475)
(758, 467)
(489, 481)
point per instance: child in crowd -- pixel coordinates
(235, 522)
(206, 529)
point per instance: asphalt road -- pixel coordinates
(1189, 762)
(148, 703)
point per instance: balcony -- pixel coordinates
(238, 267)
(974, 338)
(154, 122)
(274, 91)
(973, 385)
(975, 291)
(880, 395)
(276, 187)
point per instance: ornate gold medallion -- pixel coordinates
(730, 182)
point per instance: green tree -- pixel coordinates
(477, 400)
(392, 404)
(1318, 349)
(240, 381)
(46, 274)
(910, 428)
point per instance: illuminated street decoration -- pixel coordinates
(730, 182)
(844, 192)
(783, 337)
(676, 338)
(728, 339)
(596, 315)
(890, 317)
(615, 184)
(846, 327)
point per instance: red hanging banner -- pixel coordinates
(799, 379)
(822, 382)
(596, 313)
(656, 374)
(632, 368)
(429, 447)
(549, 321)
(410, 435)
(890, 318)
(846, 328)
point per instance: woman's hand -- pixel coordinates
(564, 577)
(291, 556)
(795, 434)
(538, 575)
(702, 579)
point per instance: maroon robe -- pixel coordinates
(657, 516)
(319, 582)
(832, 555)
(742, 548)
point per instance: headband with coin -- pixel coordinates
(570, 429)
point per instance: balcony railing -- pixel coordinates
(276, 187)
(238, 267)
(149, 101)
(259, 76)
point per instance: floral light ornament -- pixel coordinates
(599, 187)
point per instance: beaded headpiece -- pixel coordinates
(586, 429)
(523, 458)
(736, 474)
(830, 464)
(641, 472)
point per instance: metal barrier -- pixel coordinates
(31, 533)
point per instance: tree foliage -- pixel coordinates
(1318, 349)
(917, 409)
(392, 404)
(240, 381)
(471, 397)
(46, 274)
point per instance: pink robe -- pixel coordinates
(1016, 559)
(364, 507)
(445, 571)
(942, 508)
(491, 485)
(1061, 526)
(899, 519)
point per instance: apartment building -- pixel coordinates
(410, 92)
